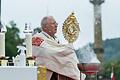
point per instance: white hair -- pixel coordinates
(45, 20)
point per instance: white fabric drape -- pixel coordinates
(56, 57)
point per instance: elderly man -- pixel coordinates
(56, 57)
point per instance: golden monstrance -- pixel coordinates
(71, 28)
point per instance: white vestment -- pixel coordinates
(56, 57)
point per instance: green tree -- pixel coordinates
(115, 64)
(12, 39)
(37, 30)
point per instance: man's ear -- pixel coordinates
(45, 27)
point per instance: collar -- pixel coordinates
(47, 35)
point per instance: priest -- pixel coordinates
(56, 57)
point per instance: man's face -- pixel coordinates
(51, 26)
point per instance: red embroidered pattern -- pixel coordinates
(36, 41)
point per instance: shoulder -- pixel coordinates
(37, 39)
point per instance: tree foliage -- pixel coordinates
(115, 64)
(37, 30)
(112, 49)
(12, 39)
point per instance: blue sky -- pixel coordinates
(32, 11)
